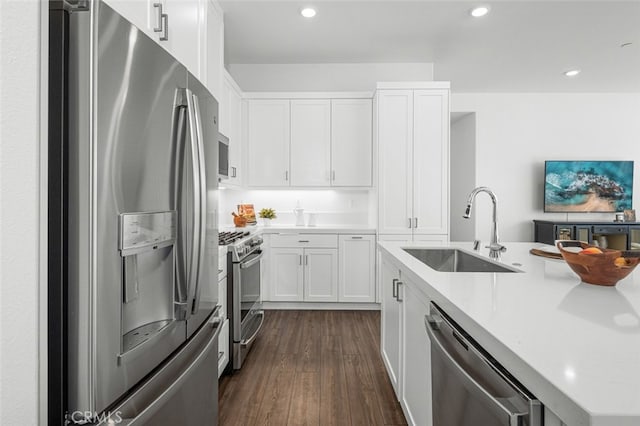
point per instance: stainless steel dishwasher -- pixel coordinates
(469, 387)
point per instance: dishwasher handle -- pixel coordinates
(500, 406)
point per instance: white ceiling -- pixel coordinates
(519, 46)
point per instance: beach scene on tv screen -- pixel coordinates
(588, 186)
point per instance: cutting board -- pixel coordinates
(547, 254)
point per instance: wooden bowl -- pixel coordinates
(239, 221)
(598, 268)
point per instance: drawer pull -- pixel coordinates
(303, 241)
(356, 238)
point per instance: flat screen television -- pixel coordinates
(588, 186)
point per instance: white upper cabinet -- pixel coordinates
(184, 28)
(310, 142)
(146, 15)
(413, 167)
(395, 145)
(268, 142)
(214, 50)
(330, 142)
(351, 144)
(186, 31)
(430, 161)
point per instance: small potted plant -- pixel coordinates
(268, 215)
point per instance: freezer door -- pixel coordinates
(205, 292)
(124, 237)
(183, 392)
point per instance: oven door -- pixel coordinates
(246, 294)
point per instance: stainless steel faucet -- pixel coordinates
(495, 248)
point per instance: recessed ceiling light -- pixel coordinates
(479, 11)
(572, 73)
(308, 12)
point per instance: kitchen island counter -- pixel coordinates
(575, 346)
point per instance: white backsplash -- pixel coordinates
(332, 206)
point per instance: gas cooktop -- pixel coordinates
(229, 237)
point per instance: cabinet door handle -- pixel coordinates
(300, 260)
(233, 172)
(415, 222)
(395, 288)
(398, 291)
(409, 219)
(158, 27)
(306, 259)
(165, 24)
(286, 175)
(333, 175)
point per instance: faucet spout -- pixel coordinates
(467, 213)
(495, 248)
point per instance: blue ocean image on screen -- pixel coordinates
(588, 186)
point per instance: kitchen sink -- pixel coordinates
(455, 260)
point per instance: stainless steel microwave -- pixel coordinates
(223, 156)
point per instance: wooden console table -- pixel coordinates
(618, 235)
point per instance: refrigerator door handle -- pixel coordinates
(182, 261)
(158, 403)
(203, 206)
(197, 200)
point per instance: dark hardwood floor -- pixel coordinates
(312, 368)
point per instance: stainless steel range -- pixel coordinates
(244, 290)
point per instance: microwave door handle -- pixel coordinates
(192, 276)
(202, 216)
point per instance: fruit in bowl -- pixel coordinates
(591, 250)
(598, 266)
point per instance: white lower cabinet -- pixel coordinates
(391, 323)
(356, 281)
(301, 274)
(223, 348)
(286, 275)
(405, 345)
(321, 268)
(416, 356)
(320, 275)
(223, 337)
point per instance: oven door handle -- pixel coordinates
(246, 342)
(249, 264)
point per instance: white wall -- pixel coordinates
(19, 211)
(463, 174)
(325, 77)
(333, 207)
(517, 132)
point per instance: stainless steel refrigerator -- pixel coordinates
(134, 243)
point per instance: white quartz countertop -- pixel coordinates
(576, 346)
(320, 229)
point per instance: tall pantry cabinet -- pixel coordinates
(412, 130)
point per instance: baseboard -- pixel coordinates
(318, 306)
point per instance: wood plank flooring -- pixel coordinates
(312, 368)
